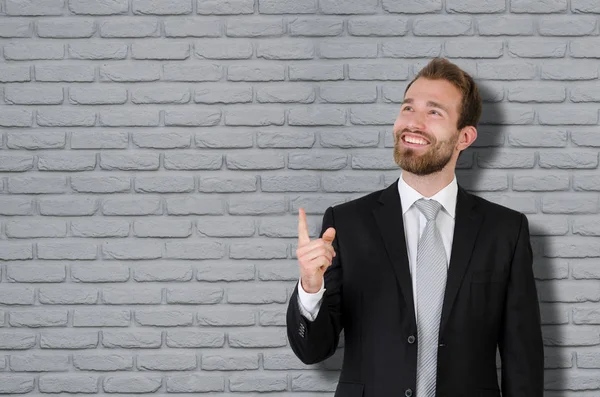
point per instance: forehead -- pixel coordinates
(441, 91)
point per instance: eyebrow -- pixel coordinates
(429, 103)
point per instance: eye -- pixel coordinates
(407, 108)
(436, 112)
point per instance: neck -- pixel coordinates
(429, 185)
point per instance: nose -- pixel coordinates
(415, 121)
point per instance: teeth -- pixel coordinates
(415, 140)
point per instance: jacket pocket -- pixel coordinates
(349, 389)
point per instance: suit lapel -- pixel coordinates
(388, 215)
(466, 227)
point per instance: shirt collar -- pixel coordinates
(446, 196)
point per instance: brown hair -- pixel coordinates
(441, 68)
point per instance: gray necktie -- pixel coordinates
(431, 283)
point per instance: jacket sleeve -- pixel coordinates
(520, 343)
(315, 341)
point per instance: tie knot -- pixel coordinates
(429, 208)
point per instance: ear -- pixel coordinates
(466, 137)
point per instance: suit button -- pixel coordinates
(408, 393)
(411, 339)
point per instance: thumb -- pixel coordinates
(329, 235)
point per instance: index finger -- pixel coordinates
(303, 237)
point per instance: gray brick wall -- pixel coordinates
(154, 154)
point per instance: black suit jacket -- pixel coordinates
(490, 301)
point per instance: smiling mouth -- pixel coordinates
(414, 141)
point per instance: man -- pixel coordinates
(426, 280)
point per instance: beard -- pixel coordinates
(434, 159)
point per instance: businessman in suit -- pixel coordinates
(426, 279)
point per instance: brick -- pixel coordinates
(15, 74)
(189, 118)
(230, 361)
(540, 183)
(585, 316)
(219, 49)
(537, 48)
(351, 183)
(293, 93)
(569, 71)
(101, 318)
(585, 6)
(317, 27)
(100, 274)
(373, 161)
(378, 26)
(258, 250)
(243, 27)
(225, 272)
(16, 206)
(549, 269)
(36, 319)
(80, 383)
(505, 25)
(472, 7)
(257, 338)
(567, 115)
(66, 28)
(204, 295)
(407, 48)
(323, 115)
(103, 362)
(16, 162)
(16, 118)
(537, 138)
(191, 204)
(17, 384)
(586, 227)
(160, 50)
(254, 161)
(203, 250)
(579, 25)
(39, 362)
(469, 48)
(310, 382)
(234, 184)
(227, 7)
(442, 25)
(72, 339)
(146, 383)
(287, 6)
(162, 140)
(194, 338)
(162, 228)
(584, 48)
(97, 96)
(258, 383)
(130, 27)
(231, 317)
(348, 94)
(31, 51)
(279, 272)
(68, 295)
(516, 159)
(92, 7)
(149, 272)
(167, 361)
(584, 269)
(505, 70)
(569, 248)
(411, 7)
(182, 161)
(220, 94)
(525, 93)
(583, 182)
(256, 294)
(558, 359)
(158, 7)
(16, 28)
(560, 204)
(17, 339)
(144, 295)
(142, 339)
(192, 27)
(316, 161)
(315, 72)
(26, 95)
(34, 7)
(349, 139)
(569, 291)
(164, 319)
(254, 116)
(130, 250)
(29, 273)
(128, 73)
(180, 72)
(568, 160)
(532, 6)
(256, 73)
(194, 383)
(588, 92)
(285, 139)
(29, 185)
(289, 183)
(285, 49)
(569, 336)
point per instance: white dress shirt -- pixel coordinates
(414, 221)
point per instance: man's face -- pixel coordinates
(425, 131)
